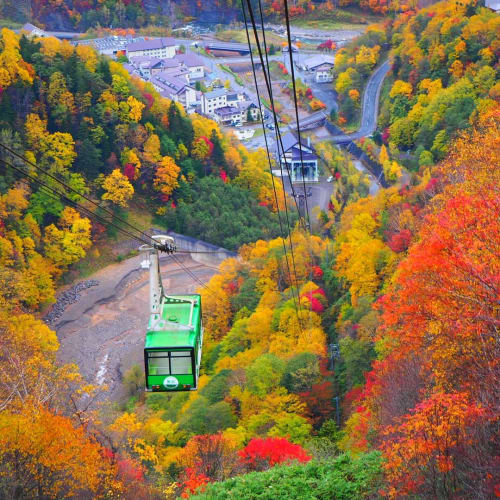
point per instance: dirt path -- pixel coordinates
(103, 333)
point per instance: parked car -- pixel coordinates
(330, 179)
(270, 126)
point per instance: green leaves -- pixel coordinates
(343, 478)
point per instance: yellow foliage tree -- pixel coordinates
(12, 66)
(136, 108)
(166, 176)
(118, 188)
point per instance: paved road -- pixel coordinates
(103, 333)
(369, 106)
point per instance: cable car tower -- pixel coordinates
(174, 335)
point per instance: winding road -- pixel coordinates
(369, 112)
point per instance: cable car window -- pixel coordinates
(159, 363)
(181, 365)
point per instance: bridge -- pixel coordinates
(228, 47)
(313, 121)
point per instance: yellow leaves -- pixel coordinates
(145, 452)
(67, 245)
(136, 108)
(50, 46)
(367, 55)
(383, 156)
(345, 80)
(59, 95)
(401, 88)
(392, 170)
(166, 176)
(126, 424)
(152, 149)
(159, 431)
(118, 188)
(259, 326)
(88, 55)
(12, 66)
(203, 127)
(14, 202)
(216, 308)
(53, 456)
(457, 69)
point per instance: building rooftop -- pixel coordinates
(190, 60)
(213, 44)
(290, 144)
(227, 110)
(318, 60)
(152, 44)
(244, 105)
(169, 82)
(215, 93)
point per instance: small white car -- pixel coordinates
(330, 179)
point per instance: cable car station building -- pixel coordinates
(292, 158)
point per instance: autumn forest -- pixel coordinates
(359, 360)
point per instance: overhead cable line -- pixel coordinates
(278, 136)
(61, 197)
(270, 92)
(292, 69)
(290, 52)
(295, 301)
(66, 186)
(190, 273)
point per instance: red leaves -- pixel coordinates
(385, 136)
(328, 45)
(319, 402)
(129, 171)
(191, 481)
(400, 242)
(223, 175)
(260, 454)
(317, 273)
(317, 299)
(438, 431)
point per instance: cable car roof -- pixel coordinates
(173, 328)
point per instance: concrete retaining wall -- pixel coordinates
(193, 245)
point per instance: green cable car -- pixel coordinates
(174, 337)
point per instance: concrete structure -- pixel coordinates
(290, 156)
(236, 115)
(321, 66)
(155, 47)
(210, 101)
(176, 89)
(227, 48)
(310, 122)
(227, 115)
(194, 64)
(32, 30)
(248, 109)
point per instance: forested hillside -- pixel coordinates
(80, 118)
(444, 72)
(386, 321)
(84, 14)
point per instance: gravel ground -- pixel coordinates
(69, 296)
